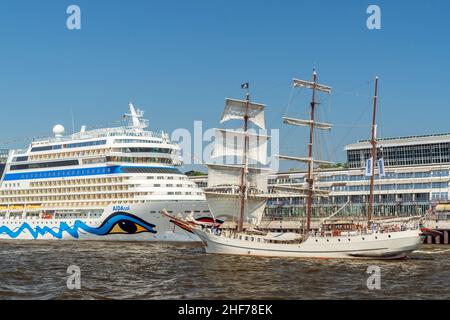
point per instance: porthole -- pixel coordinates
(389, 236)
(348, 239)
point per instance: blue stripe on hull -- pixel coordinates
(67, 173)
(119, 220)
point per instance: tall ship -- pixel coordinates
(100, 184)
(333, 239)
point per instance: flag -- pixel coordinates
(368, 171)
(245, 86)
(381, 172)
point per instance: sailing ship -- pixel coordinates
(331, 240)
(236, 193)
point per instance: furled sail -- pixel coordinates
(307, 123)
(227, 175)
(227, 207)
(237, 109)
(231, 143)
(305, 160)
(311, 85)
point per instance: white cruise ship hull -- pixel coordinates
(137, 222)
(393, 245)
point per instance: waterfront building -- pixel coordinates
(416, 176)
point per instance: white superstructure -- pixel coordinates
(104, 184)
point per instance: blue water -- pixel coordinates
(38, 270)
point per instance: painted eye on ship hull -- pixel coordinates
(124, 223)
(127, 227)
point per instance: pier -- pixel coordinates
(440, 225)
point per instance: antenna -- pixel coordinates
(135, 117)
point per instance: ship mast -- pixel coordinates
(373, 141)
(243, 185)
(311, 124)
(238, 176)
(310, 176)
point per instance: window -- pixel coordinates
(69, 146)
(45, 165)
(150, 170)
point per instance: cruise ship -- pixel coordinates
(101, 184)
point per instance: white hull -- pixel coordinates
(393, 245)
(144, 221)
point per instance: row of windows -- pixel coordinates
(82, 199)
(173, 186)
(286, 181)
(439, 196)
(346, 178)
(91, 181)
(55, 183)
(61, 173)
(140, 160)
(69, 146)
(151, 170)
(136, 141)
(72, 197)
(408, 186)
(436, 153)
(53, 164)
(66, 190)
(355, 199)
(20, 159)
(181, 177)
(72, 154)
(144, 150)
(90, 203)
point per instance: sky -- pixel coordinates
(178, 60)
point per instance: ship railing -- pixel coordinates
(366, 231)
(104, 133)
(18, 151)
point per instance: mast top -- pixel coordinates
(136, 118)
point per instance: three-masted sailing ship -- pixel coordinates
(330, 240)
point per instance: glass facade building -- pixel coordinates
(405, 151)
(417, 175)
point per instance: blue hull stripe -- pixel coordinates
(67, 173)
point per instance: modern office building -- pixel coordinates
(416, 176)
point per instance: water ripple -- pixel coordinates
(38, 270)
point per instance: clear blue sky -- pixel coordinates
(180, 59)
